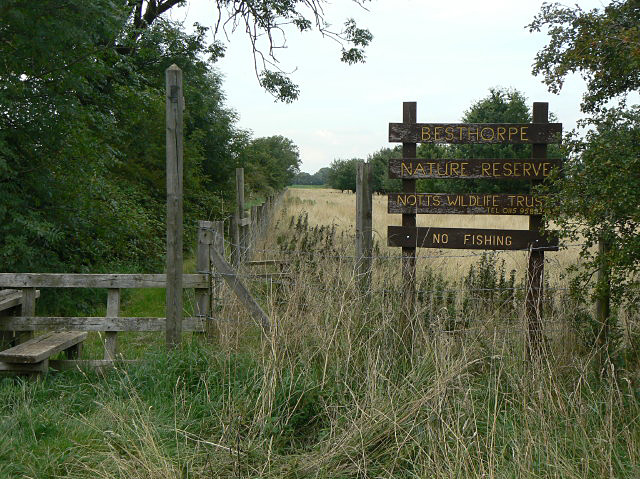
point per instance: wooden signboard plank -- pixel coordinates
(466, 238)
(510, 133)
(508, 169)
(471, 204)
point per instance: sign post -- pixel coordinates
(409, 202)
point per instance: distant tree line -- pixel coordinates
(320, 177)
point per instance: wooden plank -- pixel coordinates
(40, 367)
(67, 365)
(10, 298)
(174, 133)
(467, 238)
(470, 204)
(111, 337)
(496, 168)
(93, 323)
(42, 347)
(241, 291)
(511, 133)
(72, 280)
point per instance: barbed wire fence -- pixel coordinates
(279, 275)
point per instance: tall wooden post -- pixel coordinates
(240, 237)
(535, 271)
(603, 298)
(364, 226)
(175, 107)
(409, 115)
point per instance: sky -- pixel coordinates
(443, 55)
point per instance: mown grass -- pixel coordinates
(334, 392)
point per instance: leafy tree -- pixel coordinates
(598, 195)
(499, 106)
(602, 45)
(342, 174)
(264, 22)
(270, 163)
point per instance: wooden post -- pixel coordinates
(175, 107)
(254, 231)
(28, 308)
(203, 265)
(217, 244)
(240, 218)
(111, 337)
(364, 226)
(535, 270)
(409, 115)
(603, 298)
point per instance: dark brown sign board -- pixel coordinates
(466, 238)
(510, 133)
(471, 204)
(414, 168)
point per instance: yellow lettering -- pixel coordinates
(485, 169)
(463, 172)
(402, 199)
(523, 133)
(449, 132)
(512, 131)
(426, 133)
(453, 169)
(408, 169)
(507, 169)
(526, 169)
(507, 240)
(467, 238)
(436, 133)
(501, 131)
(445, 238)
(419, 169)
(482, 135)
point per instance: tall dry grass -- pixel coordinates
(332, 391)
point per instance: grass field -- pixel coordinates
(334, 390)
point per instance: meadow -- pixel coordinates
(332, 391)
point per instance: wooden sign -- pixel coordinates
(471, 204)
(414, 168)
(465, 238)
(510, 133)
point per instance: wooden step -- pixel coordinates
(42, 347)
